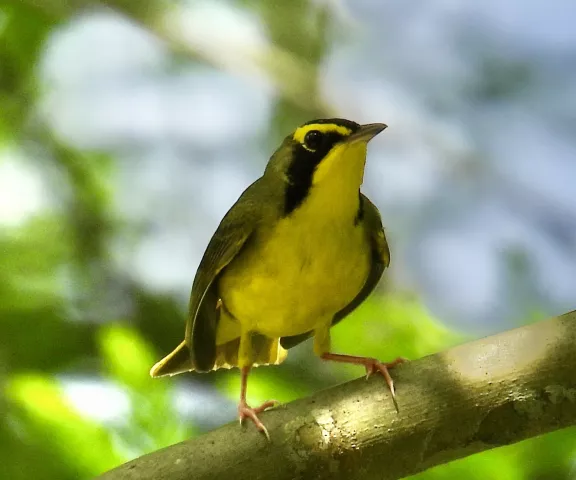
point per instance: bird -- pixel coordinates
(300, 249)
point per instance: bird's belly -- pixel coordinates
(291, 287)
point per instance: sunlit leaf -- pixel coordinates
(77, 440)
(126, 356)
(153, 422)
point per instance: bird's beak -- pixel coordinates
(366, 132)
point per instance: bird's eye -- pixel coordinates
(313, 140)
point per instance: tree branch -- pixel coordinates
(484, 394)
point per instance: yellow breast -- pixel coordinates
(297, 275)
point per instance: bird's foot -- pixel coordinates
(245, 411)
(372, 365)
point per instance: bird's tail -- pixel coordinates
(178, 361)
(266, 351)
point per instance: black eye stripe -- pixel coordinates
(301, 170)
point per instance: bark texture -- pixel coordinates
(481, 395)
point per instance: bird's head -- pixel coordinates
(329, 152)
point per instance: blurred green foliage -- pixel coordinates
(47, 418)
(57, 284)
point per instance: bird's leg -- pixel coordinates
(245, 411)
(372, 365)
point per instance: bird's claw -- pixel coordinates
(373, 365)
(245, 411)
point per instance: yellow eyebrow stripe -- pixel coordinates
(301, 132)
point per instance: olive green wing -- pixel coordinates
(380, 260)
(231, 236)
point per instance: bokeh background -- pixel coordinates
(128, 128)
